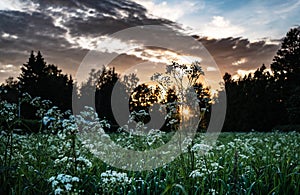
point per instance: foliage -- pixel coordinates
(58, 160)
(252, 103)
(100, 84)
(286, 69)
(252, 163)
(183, 86)
(287, 59)
(45, 81)
(263, 100)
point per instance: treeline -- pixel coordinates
(261, 101)
(97, 92)
(267, 100)
(38, 79)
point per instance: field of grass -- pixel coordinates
(240, 163)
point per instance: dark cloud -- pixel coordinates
(94, 18)
(124, 61)
(46, 27)
(33, 31)
(229, 51)
(54, 26)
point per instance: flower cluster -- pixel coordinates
(53, 119)
(111, 180)
(82, 163)
(41, 105)
(62, 183)
(155, 137)
(8, 111)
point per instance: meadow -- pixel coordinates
(55, 161)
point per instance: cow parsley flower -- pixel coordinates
(63, 183)
(112, 179)
(196, 173)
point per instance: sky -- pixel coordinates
(239, 35)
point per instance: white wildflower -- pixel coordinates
(58, 191)
(196, 173)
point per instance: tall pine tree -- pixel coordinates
(45, 81)
(286, 69)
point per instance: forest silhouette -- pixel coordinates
(262, 101)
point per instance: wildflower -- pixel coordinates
(61, 182)
(212, 191)
(196, 173)
(8, 111)
(47, 119)
(58, 191)
(75, 179)
(201, 147)
(83, 163)
(110, 179)
(36, 102)
(68, 187)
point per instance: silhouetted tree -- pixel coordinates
(104, 87)
(97, 91)
(100, 84)
(142, 97)
(286, 70)
(263, 101)
(287, 59)
(205, 102)
(293, 106)
(252, 102)
(45, 81)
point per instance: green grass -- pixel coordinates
(240, 163)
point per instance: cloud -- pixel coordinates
(232, 54)
(219, 21)
(8, 36)
(7, 70)
(239, 62)
(163, 55)
(288, 7)
(66, 30)
(250, 19)
(17, 5)
(219, 27)
(240, 73)
(62, 30)
(211, 69)
(171, 11)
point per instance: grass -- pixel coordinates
(240, 163)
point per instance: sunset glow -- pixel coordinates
(226, 30)
(186, 112)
